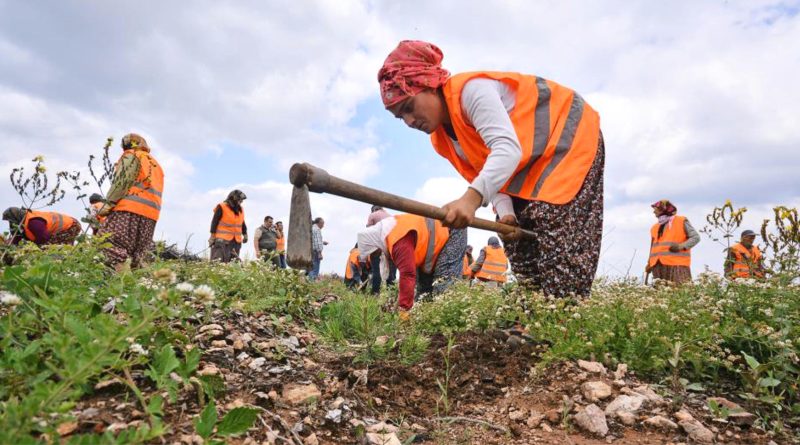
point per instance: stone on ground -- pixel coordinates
(593, 420)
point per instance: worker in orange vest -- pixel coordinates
(491, 264)
(671, 239)
(466, 270)
(744, 259)
(527, 145)
(228, 229)
(96, 204)
(421, 248)
(40, 227)
(133, 204)
(354, 268)
(281, 249)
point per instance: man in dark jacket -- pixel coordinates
(265, 242)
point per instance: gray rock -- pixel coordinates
(626, 418)
(742, 418)
(696, 431)
(593, 367)
(625, 403)
(661, 423)
(593, 420)
(257, 363)
(334, 415)
(594, 391)
(383, 439)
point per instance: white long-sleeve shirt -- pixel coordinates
(486, 105)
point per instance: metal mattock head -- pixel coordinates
(298, 250)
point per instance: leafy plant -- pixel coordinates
(237, 421)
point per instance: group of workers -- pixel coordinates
(528, 146)
(127, 215)
(673, 237)
(412, 245)
(229, 232)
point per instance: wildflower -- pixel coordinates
(185, 287)
(9, 299)
(165, 275)
(204, 293)
(41, 168)
(136, 348)
(39, 158)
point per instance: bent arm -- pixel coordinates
(485, 111)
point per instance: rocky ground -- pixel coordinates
(309, 394)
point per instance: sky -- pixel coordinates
(698, 102)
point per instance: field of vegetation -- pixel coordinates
(194, 352)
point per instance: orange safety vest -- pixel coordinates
(56, 222)
(97, 206)
(352, 263)
(557, 131)
(230, 225)
(494, 266)
(674, 234)
(465, 270)
(281, 244)
(431, 237)
(745, 261)
(144, 196)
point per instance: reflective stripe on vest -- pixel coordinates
(495, 264)
(429, 255)
(673, 235)
(556, 129)
(745, 261)
(144, 196)
(54, 222)
(431, 238)
(229, 226)
(352, 264)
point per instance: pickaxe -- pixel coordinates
(307, 177)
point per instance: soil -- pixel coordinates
(495, 393)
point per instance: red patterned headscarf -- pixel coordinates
(665, 207)
(411, 68)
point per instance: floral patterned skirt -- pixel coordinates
(67, 236)
(561, 259)
(675, 274)
(131, 237)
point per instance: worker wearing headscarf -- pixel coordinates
(41, 227)
(671, 239)
(228, 228)
(530, 147)
(133, 204)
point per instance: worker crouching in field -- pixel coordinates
(744, 259)
(354, 268)
(133, 204)
(423, 251)
(527, 145)
(228, 229)
(492, 264)
(41, 228)
(671, 239)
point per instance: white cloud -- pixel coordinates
(697, 99)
